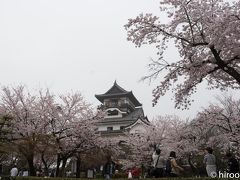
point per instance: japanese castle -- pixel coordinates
(123, 112)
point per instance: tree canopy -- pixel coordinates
(48, 128)
(206, 34)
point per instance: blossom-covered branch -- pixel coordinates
(206, 34)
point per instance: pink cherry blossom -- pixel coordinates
(206, 34)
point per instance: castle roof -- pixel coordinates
(117, 91)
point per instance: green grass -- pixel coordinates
(51, 178)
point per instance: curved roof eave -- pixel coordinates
(117, 91)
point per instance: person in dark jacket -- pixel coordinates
(109, 168)
(233, 164)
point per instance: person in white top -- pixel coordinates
(210, 162)
(158, 164)
(14, 171)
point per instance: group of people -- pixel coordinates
(162, 168)
(170, 168)
(14, 172)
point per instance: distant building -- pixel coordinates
(123, 112)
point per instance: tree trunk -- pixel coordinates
(45, 164)
(142, 170)
(1, 167)
(32, 171)
(28, 152)
(78, 170)
(64, 162)
(58, 164)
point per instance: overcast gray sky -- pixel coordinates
(81, 46)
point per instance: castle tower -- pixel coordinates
(122, 111)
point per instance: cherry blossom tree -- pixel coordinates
(163, 133)
(45, 125)
(73, 125)
(222, 124)
(138, 150)
(216, 126)
(45, 157)
(206, 34)
(28, 122)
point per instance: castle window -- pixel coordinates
(106, 103)
(112, 113)
(115, 102)
(122, 127)
(121, 102)
(109, 128)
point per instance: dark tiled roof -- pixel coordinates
(115, 92)
(138, 112)
(116, 89)
(144, 120)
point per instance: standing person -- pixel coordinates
(25, 172)
(158, 164)
(210, 162)
(109, 168)
(172, 168)
(14, 171)
(233, 164)
(52, 174)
